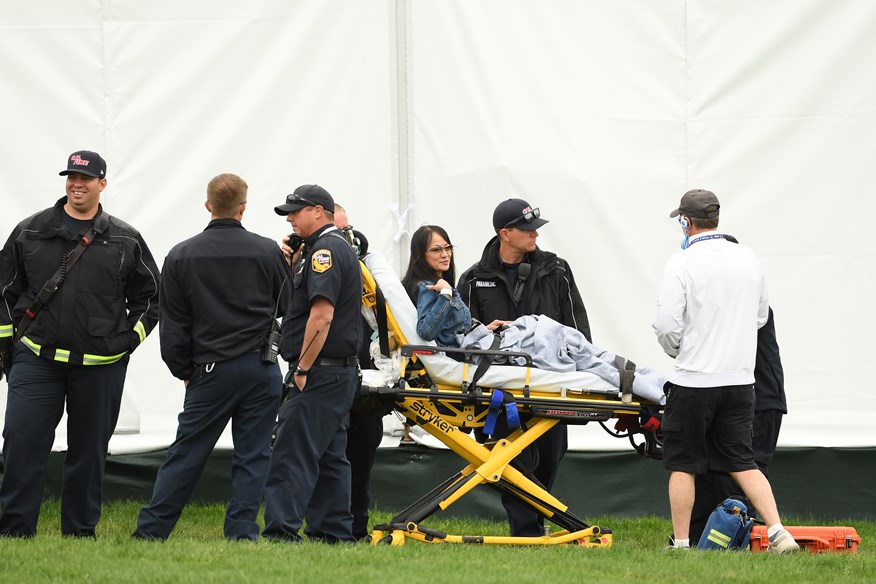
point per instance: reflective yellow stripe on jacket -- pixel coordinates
(63, 355)
(5, 330)
(140, 329)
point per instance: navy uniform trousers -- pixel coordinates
(247, 392)
(539, 461)
(364, 435)
(38, 390)
(310, 474)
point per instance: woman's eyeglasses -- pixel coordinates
(527, 217)
(440, 248)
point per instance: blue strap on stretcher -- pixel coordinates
(498, 398)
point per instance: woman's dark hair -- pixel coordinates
(418, 268)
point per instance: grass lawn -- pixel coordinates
(196, 552)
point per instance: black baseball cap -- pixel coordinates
(306, 196)
(85, 162)
(698, 203)
(517, 213)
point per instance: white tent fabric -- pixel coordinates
(600, 112)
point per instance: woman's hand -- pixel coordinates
(440, 285)
(497, 323)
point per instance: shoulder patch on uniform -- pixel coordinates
(483, 284)
(321, 260)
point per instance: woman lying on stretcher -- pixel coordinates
(443, 317)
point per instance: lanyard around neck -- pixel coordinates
(706, 237)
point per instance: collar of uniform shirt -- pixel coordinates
(319, 233)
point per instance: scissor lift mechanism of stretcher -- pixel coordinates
(449, 412)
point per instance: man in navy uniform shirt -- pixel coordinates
(309, 475)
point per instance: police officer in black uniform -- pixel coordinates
(220, 296)
(75, 338)
(309, 475)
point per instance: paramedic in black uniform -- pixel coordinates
(75, 351)
(309, 477)
(513, 278)
(220, 292)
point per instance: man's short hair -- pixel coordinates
(702, 223)
(226, 193)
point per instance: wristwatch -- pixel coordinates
(302, 372)
(448, 292)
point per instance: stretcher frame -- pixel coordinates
(449, 411)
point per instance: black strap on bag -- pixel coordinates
(382, 325)
(52, 284)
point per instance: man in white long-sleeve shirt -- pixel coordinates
(712, 301)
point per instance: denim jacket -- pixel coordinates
(440, 319)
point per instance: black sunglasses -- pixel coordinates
(527, 217)
(290, 199)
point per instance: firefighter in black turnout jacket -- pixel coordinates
(79, 294)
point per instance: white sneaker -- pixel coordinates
(783, 543)
(672, 546)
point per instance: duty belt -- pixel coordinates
(338, 361)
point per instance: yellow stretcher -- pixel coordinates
(448, 398)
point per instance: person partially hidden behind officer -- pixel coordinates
(713, 299)
(770, 405)
(221, 294)
(513, 278)
(309, 476)
(365, 428)
(79, 294)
